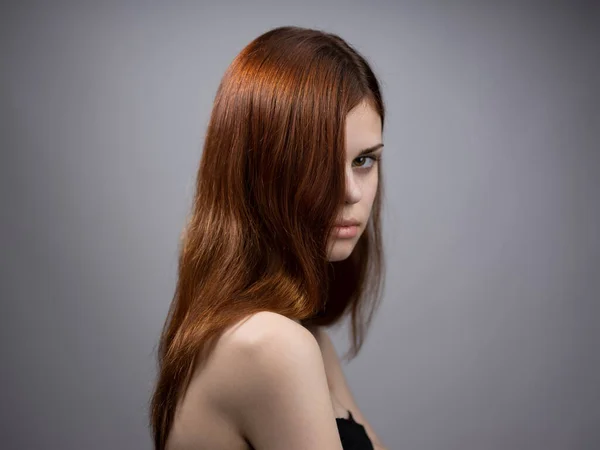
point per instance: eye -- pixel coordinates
(373, 158)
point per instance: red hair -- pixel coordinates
(270, 185)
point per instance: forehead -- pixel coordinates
(363, 128)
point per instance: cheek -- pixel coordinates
(370, 191)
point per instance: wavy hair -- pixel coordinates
(270, 185)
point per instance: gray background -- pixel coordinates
(487, 337)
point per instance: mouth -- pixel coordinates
(346, 230)
(348, 223)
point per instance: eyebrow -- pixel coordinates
(370, 149)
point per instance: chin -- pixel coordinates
(341, 249)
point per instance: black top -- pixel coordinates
(352, 434)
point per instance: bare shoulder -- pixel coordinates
(275, 384)
(266, 348)
(265, 325)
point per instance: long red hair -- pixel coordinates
(270, 185)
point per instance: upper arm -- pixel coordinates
(281, 398)
(339, 385)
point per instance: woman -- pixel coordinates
(284, 240)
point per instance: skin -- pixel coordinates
(270, 381)
(363, 130)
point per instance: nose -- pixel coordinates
(353, 191)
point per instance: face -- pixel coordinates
(363, 131)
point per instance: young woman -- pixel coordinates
(284, 239)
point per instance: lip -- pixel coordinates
(346, 232)
(348, 223)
